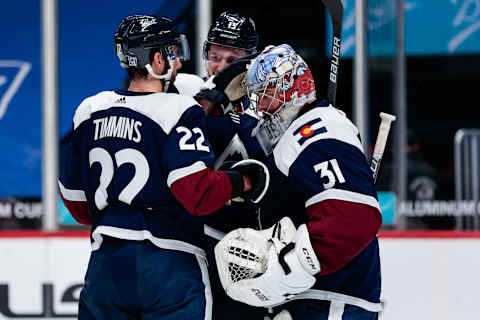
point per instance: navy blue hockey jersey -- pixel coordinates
(138, 166)
(231, 140)
(320, 176)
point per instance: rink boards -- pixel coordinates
(426, 275)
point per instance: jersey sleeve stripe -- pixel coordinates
(338, 194)
(185, 171)
(72, 195)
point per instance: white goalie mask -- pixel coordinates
(279, 83)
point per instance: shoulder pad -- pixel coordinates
(87, 107)
(315, 125)
(163, 108)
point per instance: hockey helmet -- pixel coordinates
(233, 30)
(137, 35)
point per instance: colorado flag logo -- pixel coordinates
(308, 130)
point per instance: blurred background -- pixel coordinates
(416, 59)
(420, 64)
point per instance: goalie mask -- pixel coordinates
(138, 35)
(279, 83)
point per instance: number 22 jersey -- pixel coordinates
(137, 166)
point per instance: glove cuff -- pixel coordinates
(249, 167)
(304, 251)
(236, 180)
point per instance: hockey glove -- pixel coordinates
(265, 272)
(210, 92)
(228, 85)
(259, 177)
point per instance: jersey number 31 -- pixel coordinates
(332, 177)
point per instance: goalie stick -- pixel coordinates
(380, 143)
(335, 8)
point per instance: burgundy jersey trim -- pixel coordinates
(78, 210)
(203, 192)
(340, 230)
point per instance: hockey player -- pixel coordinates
(232, 36)
(138, 168)
(329, 267)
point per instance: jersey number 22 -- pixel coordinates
(128, 155)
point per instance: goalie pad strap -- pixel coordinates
(315, 294)
(281, 257)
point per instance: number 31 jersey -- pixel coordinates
(123, 158)
(320, 177)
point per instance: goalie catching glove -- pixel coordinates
(266, 268)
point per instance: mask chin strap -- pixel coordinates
(167, 77)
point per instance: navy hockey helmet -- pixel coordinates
(137, 35)
(232, 30)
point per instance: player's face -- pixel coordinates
(270, 101)
(219, 57)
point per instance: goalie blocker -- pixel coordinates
(266, 268)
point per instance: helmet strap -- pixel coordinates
(167, 77)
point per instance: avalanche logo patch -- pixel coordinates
(309, 130)
(12, 74)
